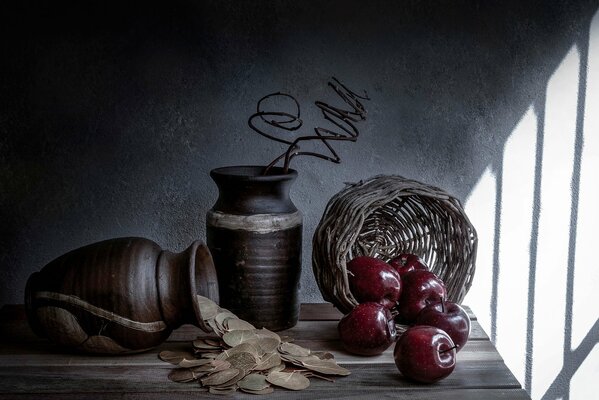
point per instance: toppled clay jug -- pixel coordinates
(119, 296)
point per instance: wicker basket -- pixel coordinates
(384, 217)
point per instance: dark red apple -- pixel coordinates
(419, 289)
(425, 354)
(447, 316)
(406, 262)
(372, 279)
(368, 329)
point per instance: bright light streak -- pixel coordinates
(554, 223)
(586, 272)
(517, 202)
(480, 208)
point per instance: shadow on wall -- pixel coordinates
(536, 211)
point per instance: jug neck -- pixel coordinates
(181, 277)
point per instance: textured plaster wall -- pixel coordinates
(112, 115)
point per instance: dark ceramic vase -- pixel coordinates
(118, 296)
(254, 232)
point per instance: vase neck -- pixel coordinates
(245, 191)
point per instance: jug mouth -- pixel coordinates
(253, 173)
(203, 279)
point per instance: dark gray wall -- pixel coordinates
(112, 115)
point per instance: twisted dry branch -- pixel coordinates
(342, 118)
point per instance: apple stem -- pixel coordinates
(455, 347)
(443, 304)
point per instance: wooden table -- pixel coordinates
(32, 368)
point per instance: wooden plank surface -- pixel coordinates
(133, 378)
(31, 367)
(457, 394)
(45, 354)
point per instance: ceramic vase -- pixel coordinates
(254, 233)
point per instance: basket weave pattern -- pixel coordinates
(388, 215)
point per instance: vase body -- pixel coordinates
(120, 295)
(254, 233)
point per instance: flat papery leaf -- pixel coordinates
(298, 361)
(223, 391)
(245, 347)
(196, 362)
(214, 342)
(288, 380)
(210, 356)
(266, 333)
(243, 361)
(208, 308)
(213, 366)
(219, 365)
(268, 361)
(236, 324)
(267, 344)
(323, 355)
(174, 357)
(268, 390)
(254, 382)
(235, 338)
(202, 344)
(206, 369)
(327, 367)
(310, 374)
(294, 350)
(182, 375)
(215, 327)
(277, 368)
(222, 316)
(232, 381)
(220, 377)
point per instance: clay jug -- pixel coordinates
(254, 232)
(118, 296)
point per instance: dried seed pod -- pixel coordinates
(208, 308)
(268, 390)
(235, 338)
(236, 324)
(327, 367)
(243, 360)
(223, 391)
(224, 370)
(253, 382)
(174, 357)
(203, 344)
(182, 375)
(220, 377)
(288, 380)
(294, 350)
(268, 361)
(196, 362)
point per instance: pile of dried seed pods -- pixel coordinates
(245, 358)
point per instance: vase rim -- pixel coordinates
(253, 173)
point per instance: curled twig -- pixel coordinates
(343, 119)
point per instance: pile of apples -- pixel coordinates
(406, 292)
